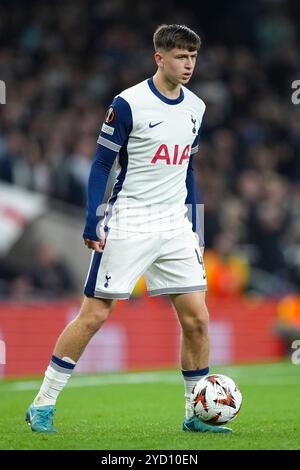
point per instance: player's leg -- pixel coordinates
(179, 271)
(193, 317)
(69, 347)
(108, 279)
(77, 334)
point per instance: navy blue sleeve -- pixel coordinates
(117, 125)
(114, 133)
(191, 202)
(101, 166)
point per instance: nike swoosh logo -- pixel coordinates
(156, 124)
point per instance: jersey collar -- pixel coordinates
(162, 97)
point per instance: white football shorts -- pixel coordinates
(170, 261)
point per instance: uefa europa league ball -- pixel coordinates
(216, 399)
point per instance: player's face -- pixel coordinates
(178, 65)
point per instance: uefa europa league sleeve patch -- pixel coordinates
(110, 115)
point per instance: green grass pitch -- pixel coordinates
(144, 410)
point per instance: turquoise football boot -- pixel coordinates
(40, 418)
(195, 425)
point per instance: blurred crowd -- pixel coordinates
(63, 62)
(47, 276)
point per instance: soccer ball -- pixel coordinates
(216, 399)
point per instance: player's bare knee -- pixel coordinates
(201, 324)
(195, 322)
(202, 319)
(96, 312)
(94, 322)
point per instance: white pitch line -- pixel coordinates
(154, 377)
(93, 381)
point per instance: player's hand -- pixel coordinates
(93, 245)
(97, 246)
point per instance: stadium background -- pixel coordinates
(62, 62)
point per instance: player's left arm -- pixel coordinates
(191, 202)
(192, 194)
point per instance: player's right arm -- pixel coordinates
(93, 235)
(114, 133)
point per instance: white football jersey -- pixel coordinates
(154, 137)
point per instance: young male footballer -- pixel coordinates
(153, 130)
